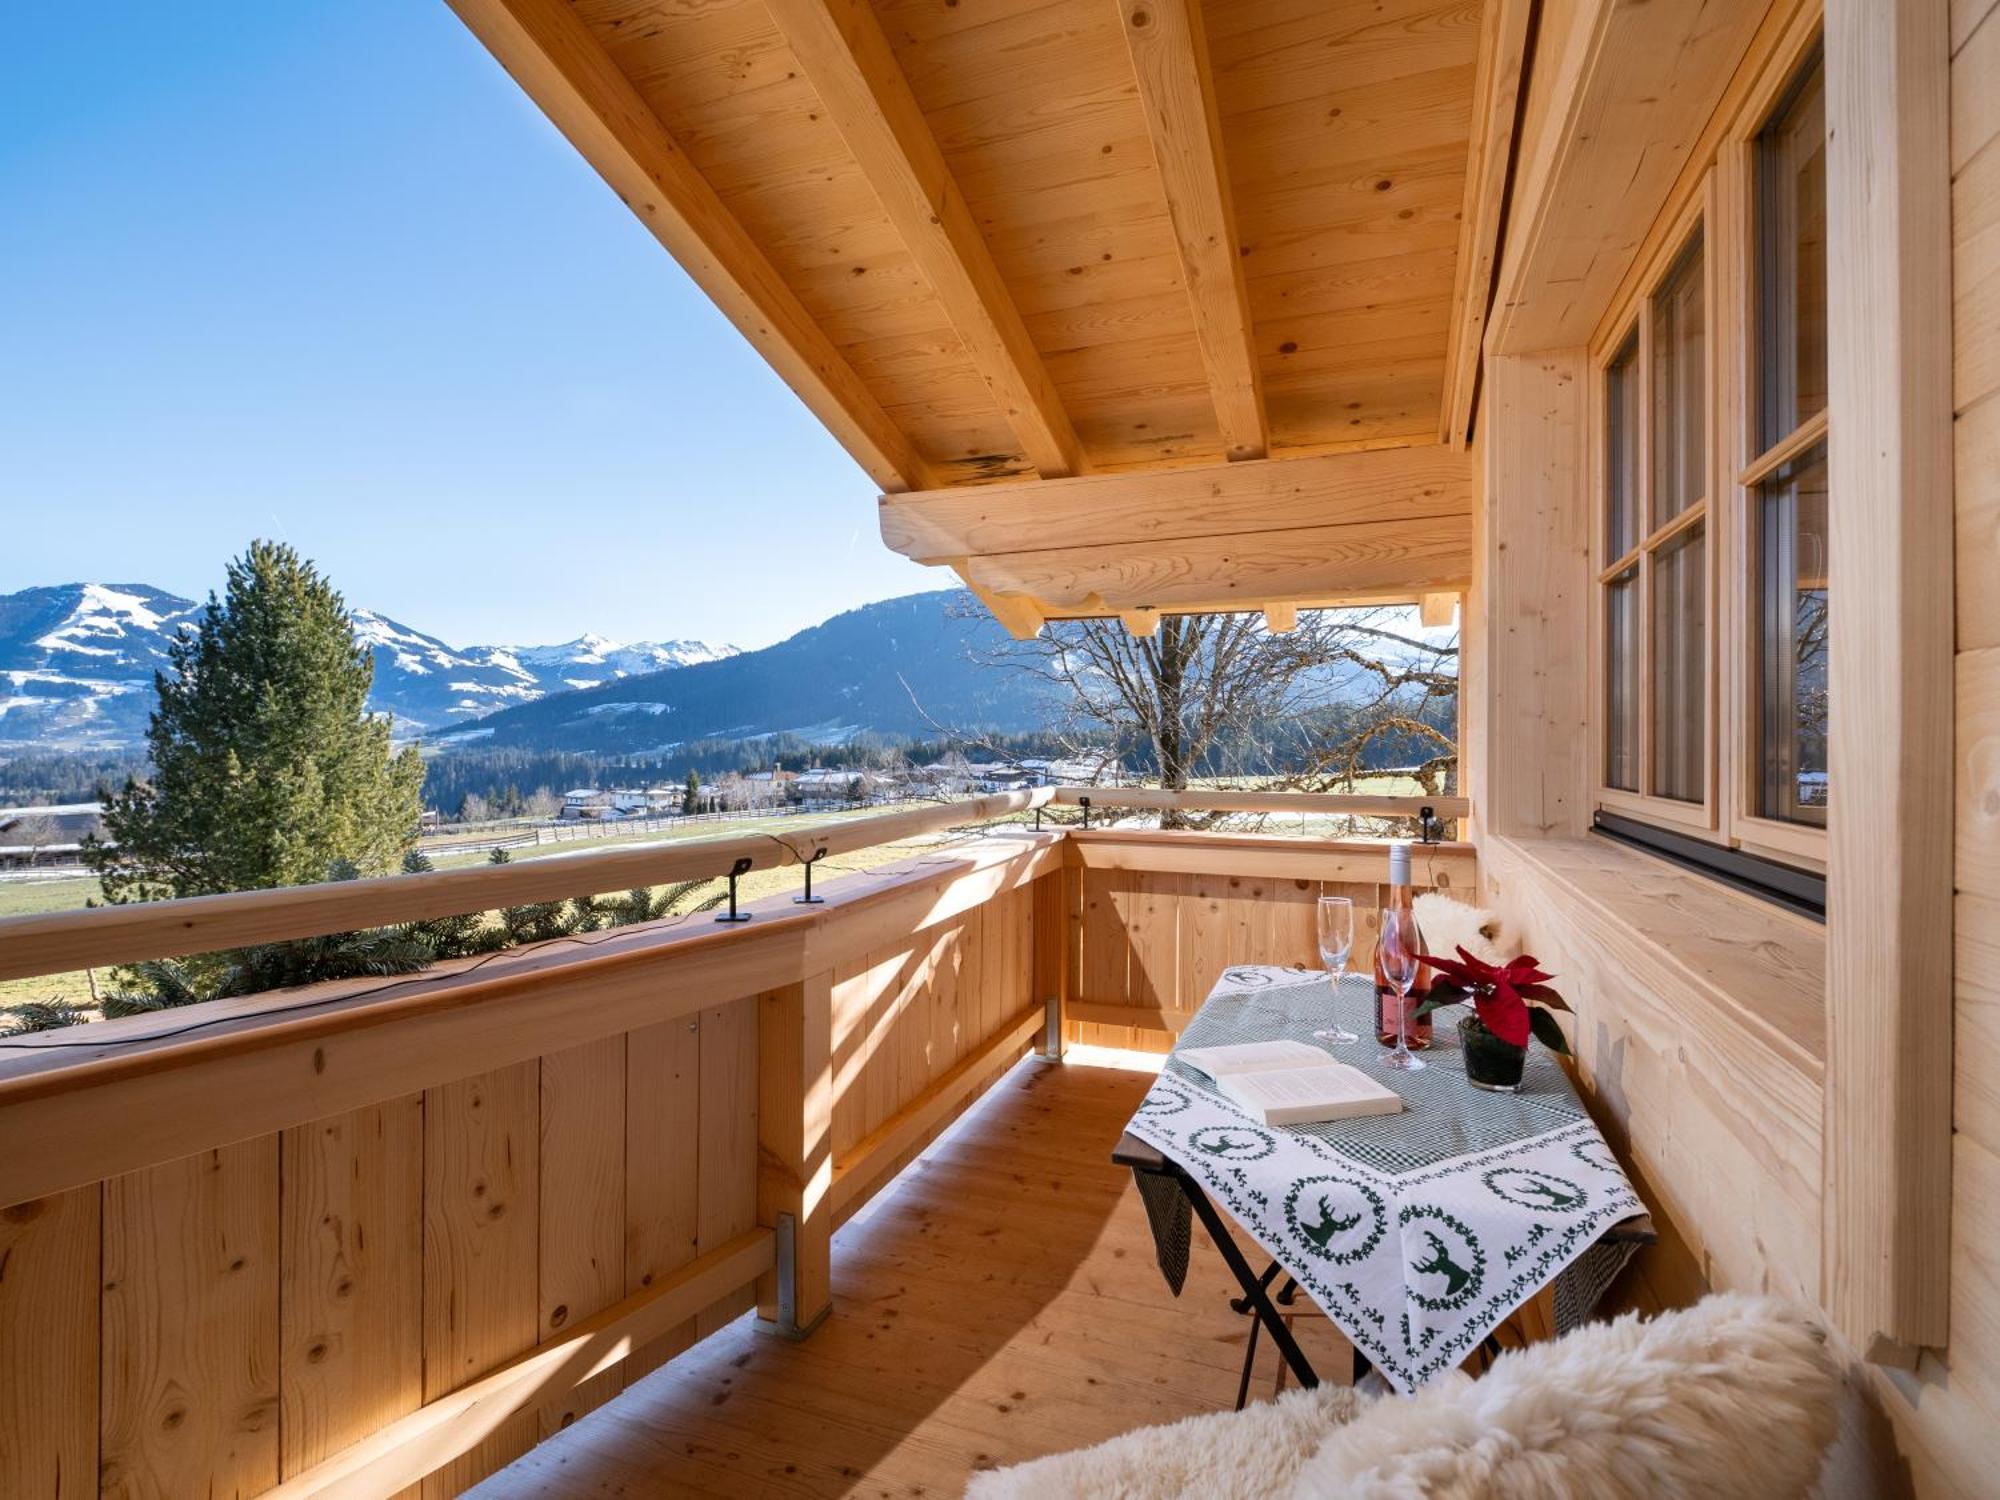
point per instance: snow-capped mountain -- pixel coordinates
(77, 663)
(897, 667)
(428, 685)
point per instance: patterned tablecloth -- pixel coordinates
(1418, 1233)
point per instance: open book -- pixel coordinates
(1289, 1083)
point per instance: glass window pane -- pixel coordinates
(1680, 665)
(1621, 679)
(1790, 617)
(1680, 408)
(1791, 259)
(1621, 443)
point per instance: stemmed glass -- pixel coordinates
(1396, 954)
(1336, 941)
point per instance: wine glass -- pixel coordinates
(1396, 955)
(1336, 941)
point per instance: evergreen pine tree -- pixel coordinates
(691, 798)
(268, 769)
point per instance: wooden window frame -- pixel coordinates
(1636, 322)
(1718, 206)
(1774, 838)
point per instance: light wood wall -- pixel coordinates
(1699, 1024)
(1947, 1411)
(217, 1323)
(1156, 918)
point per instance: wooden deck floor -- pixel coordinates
(999, 1302)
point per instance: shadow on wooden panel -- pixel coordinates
(1000, 1301)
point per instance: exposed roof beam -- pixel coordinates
(1388, 525)
(843, 53)
(1214, 500)
(1402, 559)
(1170, 62)
(1021, 619)
(551, 53)
(1496, 98)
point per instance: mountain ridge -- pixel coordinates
(77, 662)
(903, 667)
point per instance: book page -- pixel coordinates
(1299, 1095)
(1251, 1057)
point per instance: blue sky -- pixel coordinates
(316, 270)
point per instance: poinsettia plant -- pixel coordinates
(1512, 1000)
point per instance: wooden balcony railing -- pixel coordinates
(349, 1238)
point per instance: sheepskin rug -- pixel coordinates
(1732, 1399)
(1448, 923)
(1226, 1455)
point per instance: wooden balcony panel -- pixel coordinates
(1000, 1302)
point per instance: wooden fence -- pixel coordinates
(372, 1239)
(1155, 917)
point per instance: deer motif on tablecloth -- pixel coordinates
(1322, 1233)
(1441, 1264)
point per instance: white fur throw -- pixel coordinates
(1732, 1399)
(1448, 924)
(1226, 1455)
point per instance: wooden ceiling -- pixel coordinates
(1006, 241)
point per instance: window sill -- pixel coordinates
(1802, 892)
(1754, 964)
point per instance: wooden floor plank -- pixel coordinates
(998, 1302)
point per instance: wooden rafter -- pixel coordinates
(1214, 500)
(1017, 616)
(1170, 63)
(551, 53)
(1503, 44)
(1347, 527)
(841, 50)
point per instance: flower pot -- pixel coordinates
(1490, 1063)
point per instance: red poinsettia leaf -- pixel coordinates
(1542, 995)
(1505, 1016)
(1549, 1030)
(1526, 970)
(1457, 972)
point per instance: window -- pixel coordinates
(1712, 556)
(1789, 639)
(1788, 506)
(1656, 585)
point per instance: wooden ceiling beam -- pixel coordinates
(1406, 558)
(1387, 485)
(843, 53)
(1496, 99)
(1177, 95)
(552, 54)
(1021, 618)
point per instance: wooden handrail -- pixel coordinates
(58, 942)
(101, 937)
(1203, 800)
